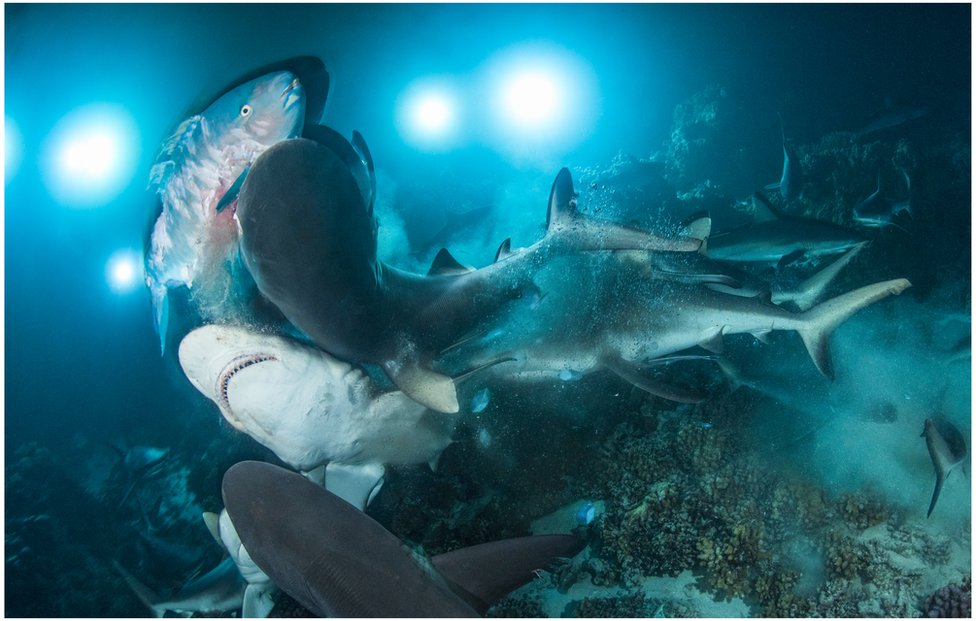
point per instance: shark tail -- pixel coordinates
(144, 593)
(940, 478)
(819, 322)
(810, 291)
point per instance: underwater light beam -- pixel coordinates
(428, 116)
(543, 100)
(124, 271)
(91, 156)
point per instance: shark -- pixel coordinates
(316, 194)
(219, 590)
(947, 448)
(320, 415)
(337, 561)
(197, 176)
(774, 237)
(791, 181)
(691, 267)
(877, 210)
(627, 325)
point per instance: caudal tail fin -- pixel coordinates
(144, 593)
(812, 289)
(820, 321)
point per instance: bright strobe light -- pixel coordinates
(530, 98)
(428, 115)
(542, 101)
(123, 271)
(91, 156)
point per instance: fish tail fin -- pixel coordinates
(812, 289)
(144, 593)
(819, 322)
(940, 477)
(160, 304)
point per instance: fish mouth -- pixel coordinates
(293, 94)
(232, 368)
(291, 86)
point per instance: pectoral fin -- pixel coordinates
(484, 573)
(429, 388)
(357, 485)
(232, 192)
(257, 601)
(643, 380)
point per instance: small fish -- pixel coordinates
(480, 401)
(194, 241)
(484, 438)
(947, 448)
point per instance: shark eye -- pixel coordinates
(245, 110)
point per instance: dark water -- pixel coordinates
(697, 87)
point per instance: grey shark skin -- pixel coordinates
(947, 448)
(308, 237)
(338, 562)
(310, 408)
(621, 323)
(773, 236)
(219, 590)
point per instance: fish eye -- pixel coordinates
(245, 110)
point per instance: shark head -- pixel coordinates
(277, 390)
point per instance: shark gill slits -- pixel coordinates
(237, 365)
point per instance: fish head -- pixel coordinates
(258, 113)
(279, 391)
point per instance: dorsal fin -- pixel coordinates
(504, 250)
(562, 199)
(699, 226)
(763, 211)
(445, 264)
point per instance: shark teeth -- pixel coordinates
(235, 366)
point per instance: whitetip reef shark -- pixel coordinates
(336, 561)
(308, 238)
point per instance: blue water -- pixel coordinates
(83, 369)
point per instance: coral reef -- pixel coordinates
(951, 601)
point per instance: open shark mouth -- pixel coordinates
(233, 368)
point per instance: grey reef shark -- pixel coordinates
(219, 590)
(790, 183)
(316, 194)
(629, 324)
(318, 414)
(776, 238)
(336, 561)
(947, 448)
